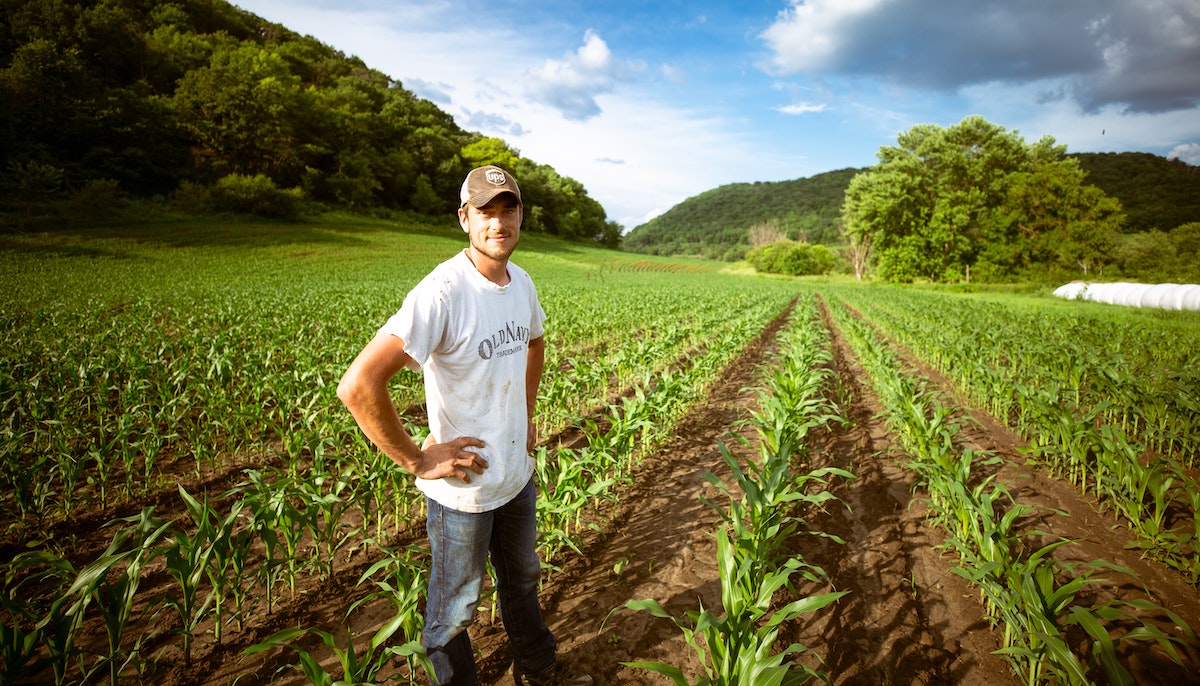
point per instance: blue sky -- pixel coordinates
(649, 103)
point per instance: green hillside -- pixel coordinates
(1156, 193)
(205, 107)
(716, 224)
(124, 111)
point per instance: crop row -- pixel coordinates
(767, 498)
(1114, 409)
(247, 380)
(1036, 599)
(97, 401)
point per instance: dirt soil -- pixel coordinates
(907, 618)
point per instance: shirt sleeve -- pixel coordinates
(421, 323)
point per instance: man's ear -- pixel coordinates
(462, 218)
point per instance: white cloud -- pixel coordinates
(667, 154)
(809, 35)
(673, 74)
(491, 123)
(571, 84)
(1186, 152)
(802, 108)
(1111, 128)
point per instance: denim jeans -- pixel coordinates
(460, 543)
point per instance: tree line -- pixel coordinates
(971, 201)
(976, 201)
(200, 100)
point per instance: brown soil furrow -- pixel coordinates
(1062, 511)
(907, 619)
(660, 537)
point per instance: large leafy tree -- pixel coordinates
(243, 110)
(1051, 219)
(975, 198)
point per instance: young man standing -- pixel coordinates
(473, 326)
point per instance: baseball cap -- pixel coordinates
(484, 183)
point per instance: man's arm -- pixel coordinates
(535, 363)
(364, 391)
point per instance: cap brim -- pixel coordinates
(480, 199)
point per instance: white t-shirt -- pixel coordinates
(470, 337)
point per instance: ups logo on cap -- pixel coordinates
(495, 177)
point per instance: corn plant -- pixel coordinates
(275, 520)
(1025, 593)
(738, 647)
(323, 502)
(110, 582)
(369, 483)
(226, 566)
(193, 558)
(1190, 539)
(18, 647)
(405, 584)
(1043, 608)
(31, 625)
(115, 594)
(357, 668)
(229, 576)
(762, 519)
(567, 485)
(61, 621)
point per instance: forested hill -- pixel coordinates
(716, 224)
(1156, 193)
(203, 102)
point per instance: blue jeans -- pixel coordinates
(460, 543)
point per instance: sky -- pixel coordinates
(647, 103)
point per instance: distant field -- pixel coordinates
(178, 481)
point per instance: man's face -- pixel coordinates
(494, 228)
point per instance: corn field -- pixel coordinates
(185, 500)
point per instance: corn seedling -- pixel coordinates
(357, 668)
(738, 647)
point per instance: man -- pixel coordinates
(474, 327)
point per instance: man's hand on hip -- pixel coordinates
(450, 460)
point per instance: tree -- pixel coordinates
(40, 101)
(169, 98)
(487, 151)
(243, 110)
(560, 206)
(31, 184)
(1051, 219)
(765, 233)
(1158, 256)
(256, 194)
(791, 258)
(354, 183)
(610, 236)
(859, 252)
(425, 199)
(943, 201)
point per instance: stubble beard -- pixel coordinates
(499, 254)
